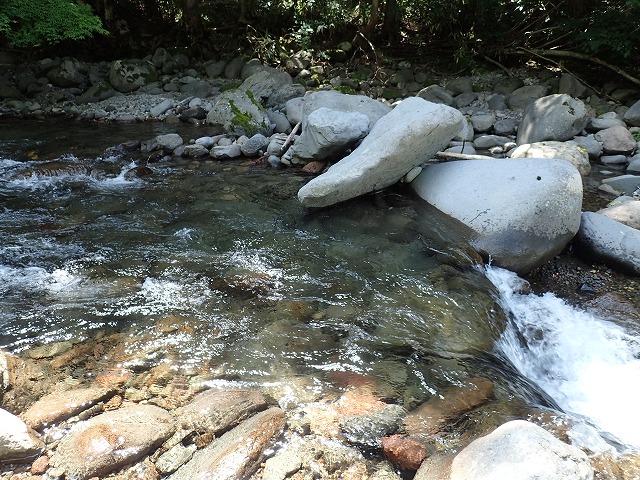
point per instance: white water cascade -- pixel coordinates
(590, 366)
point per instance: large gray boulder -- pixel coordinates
(70, 73)
(624, 210)
(524, 211)
(616, 139)
(569, 151)
(129, 75)
(298, 109)
(266, 81)
(405, 138)
(554, 117)
(520, 450)
(241, 113)
(328, 133)
(632, 116)
(616, 244)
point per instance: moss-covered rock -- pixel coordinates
(239, 112)
(129, 75)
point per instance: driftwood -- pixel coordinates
(451, 156)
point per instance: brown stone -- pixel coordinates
(108, 442)
(315, 166)
(404, 451)
(214, 411)
(239, 452)
(40, 465)
(430, 417)
(58, 406)
(113, 378)
(77, 354)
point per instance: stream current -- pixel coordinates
(266, 292)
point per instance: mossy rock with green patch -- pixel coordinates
(238, 112)
(129, 75)
(345, 89)
(391, 93)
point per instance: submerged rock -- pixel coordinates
(524, 211)
(401, 140)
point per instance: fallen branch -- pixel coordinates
(450, 156)
(575, 56)
(290, 138)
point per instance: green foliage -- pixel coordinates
(33, 22)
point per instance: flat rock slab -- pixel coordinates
(616, 244)
(58, 406)
(215, 411)
(401, 140)
(112, 440)
(433, 415)
(520, 450)
(569, 151)
(524, 211)
(239, 452)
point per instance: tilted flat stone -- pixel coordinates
(241, 113)
(298, 109)
(58, 406)
(238, 453)
(554, 117)
(524, 211)
(602, 238)
(520, 450)
(401, 140)
(106, 443)
(214, 411)
(328, 133)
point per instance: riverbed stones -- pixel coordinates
(241, 113)
(169, 141)
(17, 441)
(215, 411)
(436, 94)
(623, 184)
(522, 97)
(69, 73)
(554, 117)
(401, 140)
(520, 450)
(616, 139)
(328, 133)
(106, 443)
(239, 452)
(615, 244)
(524, 211)
(129, 75)
(625, 210)
(569, 151)
(58, 406)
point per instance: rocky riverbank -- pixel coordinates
(72, 410)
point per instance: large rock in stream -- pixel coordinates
(524, 211)
(238, 453)
(401, 140)
(520, 450)
(106, 443)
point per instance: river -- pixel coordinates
(266, 292)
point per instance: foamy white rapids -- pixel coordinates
(588, 365)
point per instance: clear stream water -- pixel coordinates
(381, 287)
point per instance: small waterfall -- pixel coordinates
(588, 365)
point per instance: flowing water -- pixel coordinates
(217, 265)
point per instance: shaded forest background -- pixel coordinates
(592, 34)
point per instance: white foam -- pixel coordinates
(588, 365)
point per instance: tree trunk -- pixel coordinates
(374, 17)
(391, 24)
